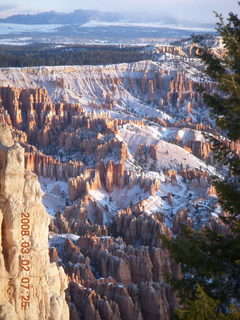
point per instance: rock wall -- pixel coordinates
(31, 111)
(172, 91)
(48, 166)
(82, 184)
(20, 195)
(108, 175)
(131, 286)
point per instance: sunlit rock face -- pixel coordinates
(20, 196)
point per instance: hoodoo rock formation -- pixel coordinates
(48, 166)
(171, 90)
(121, 157)
(20, 196)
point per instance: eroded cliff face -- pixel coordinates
(20, 197)
(166, 88)
(116, 264)
(109, 276)
(122, 160)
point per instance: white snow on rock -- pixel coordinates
(169, 155)
(55, 194)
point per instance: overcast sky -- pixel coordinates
(201, 10)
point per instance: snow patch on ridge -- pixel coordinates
(55, 194)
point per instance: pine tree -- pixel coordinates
(211, 261)
(205, 308)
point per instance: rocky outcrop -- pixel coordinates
(200, 149)
(81, 185)
(147, 183)
(77, 226)
(110, 301)
(109, 175)
(100, 122)
(20, 203)
(4, 116)
(131, 283)
(31, 111)
(112, 174)
(48, 166)
(140, 228)
(95, 146)
(144, 152)
(173, 91)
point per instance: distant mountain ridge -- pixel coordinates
(81, 16)
(52, 17)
